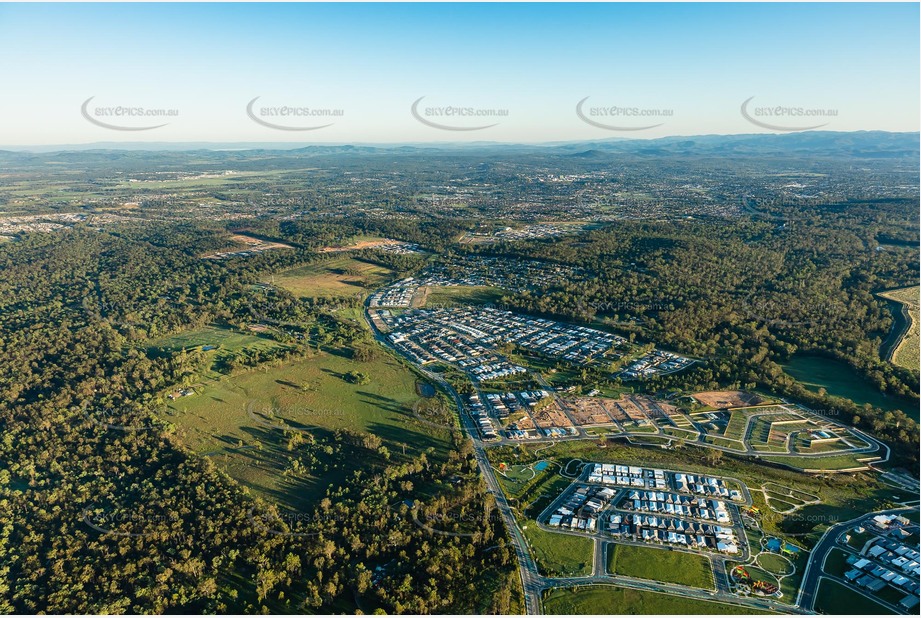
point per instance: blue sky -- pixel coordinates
(685, 67)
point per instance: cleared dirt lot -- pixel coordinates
(588, 411)
(550, 416)
(363, 244)
(727, 399)
(655, 409)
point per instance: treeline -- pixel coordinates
(104, 511)
(747, 295)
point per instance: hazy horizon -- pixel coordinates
(283, 145)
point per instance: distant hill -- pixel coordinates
(850, 145)
(859, 144)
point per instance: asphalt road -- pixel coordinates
(531, 580)
(813, 570)
(534, 584)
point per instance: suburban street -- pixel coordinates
(813, 572)
(533, 583)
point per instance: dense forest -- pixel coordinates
(104, 511)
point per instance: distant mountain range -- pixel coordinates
(857, 144)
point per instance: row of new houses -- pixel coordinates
(672, 504)
(579, 510)
(655, 362)
(478, 412)
(627, 476)
(644, 478)
(705, 485)
(651, 528)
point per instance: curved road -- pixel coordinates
(813, 572)
(533, 584)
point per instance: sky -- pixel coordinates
(350, 73)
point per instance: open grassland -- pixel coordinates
(211, 336)
(611, 600)
(676, 567)
(832, 462)
(452, 296)
(558, 554)
(239, 420)
(539, 496)
(335, 277)
(841, 380)
(223, 341)
(907, 351)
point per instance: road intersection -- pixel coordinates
(533, 583)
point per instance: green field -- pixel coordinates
(212, 335)
(558, 554)
(834, 598)
(238, 419)
(226, 343)
(906, 354)
(611, 600)
(832, 462)
(676, 567)
(736, 444)
(840, 379)
(337, 276)
(735, 429)
(462, 295)
(776, 564)
(537, 497)
(836, 563)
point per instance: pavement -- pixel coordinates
(533, 583)
(813, 570)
